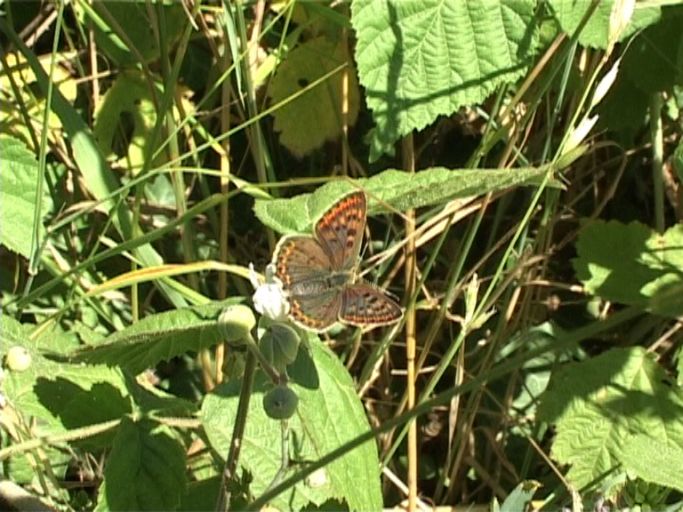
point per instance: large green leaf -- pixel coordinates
(631, 264)
(397, 189)
(654, 59)
(145, 469)
(535, 373)
(655, 460)
(201, 495)
(309, 120)
(605, 406)
(166, 335)
(46, 414)
(419, 59)
(18, 196)
(624, 121)
(570, 13)
(329, 415)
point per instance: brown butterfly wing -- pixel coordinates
(299, 259)
(340, 230)
(304, 269)
(316, 312)
(363, 304)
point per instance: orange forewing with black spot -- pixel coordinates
(299, 258)
(340, 230)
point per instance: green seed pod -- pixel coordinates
(280, 403)
(265, 345)
(279, 345)
(287, 341)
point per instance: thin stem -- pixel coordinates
(223, 503)
(71, 435)
(410, 328)
(284, 454)
(224, 212)
(37, 212)
(263, 169)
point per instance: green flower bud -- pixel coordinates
(18, 359)
(236, 322)
(280, 345)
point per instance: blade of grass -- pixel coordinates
(146, 238)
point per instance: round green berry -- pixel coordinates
(280, 403)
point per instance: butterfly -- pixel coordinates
(319, 272)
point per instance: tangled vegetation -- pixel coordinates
(341, 255)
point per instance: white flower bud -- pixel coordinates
(269, 298)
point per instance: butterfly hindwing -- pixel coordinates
(363, 304)
(340, 230)
(317, 312)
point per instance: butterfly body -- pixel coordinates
(321, 284)
(318, 273)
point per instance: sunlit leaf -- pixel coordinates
(419, 59)
(18, 197)
(329, 414)
(398, 190)
(604, 405)
(314, 117)
(632, 264)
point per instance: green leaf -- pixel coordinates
(397, 190)
(419, 59)
(520, 497)
(53, 341)
(569, 14)
(129, 98)
(62, 395)
(18, 201)
(653, 60)
(16, 387)
(644, 271)
(655, 460)
(329, 415)
(600, 405)
(311, 119)
(614, 117)
(163, 336)
(535, 373)
(201, 495)
(145, 469)
(21, 467)
(65, 396)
